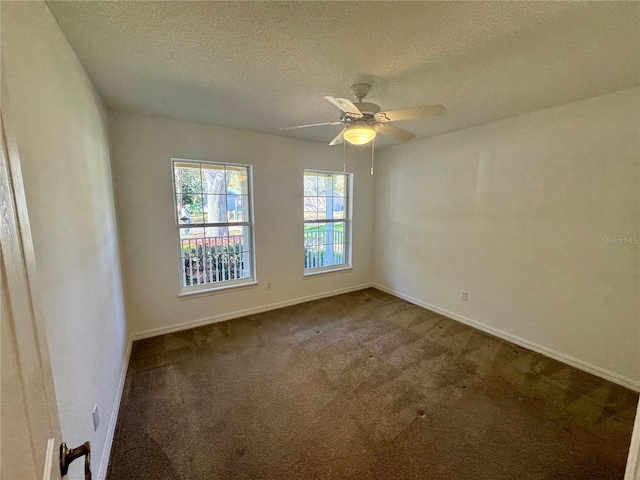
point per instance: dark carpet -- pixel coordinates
(362, 386)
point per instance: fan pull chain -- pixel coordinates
(372, 142)
(344, 157)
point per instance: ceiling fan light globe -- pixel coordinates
(359, 134)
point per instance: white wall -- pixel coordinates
(515, 212)
(142, 149)
(61, 130)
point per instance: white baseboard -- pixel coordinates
(242, 313)
(561, 357)
(108, 442)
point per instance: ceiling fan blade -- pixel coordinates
(411, 113)
(394, 132)
(310, 125)
(347, 106)
(338, 139)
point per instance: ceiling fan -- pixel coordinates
(363, 120)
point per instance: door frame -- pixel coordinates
(633, 461)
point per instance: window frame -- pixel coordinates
(347, 221)
(223, 285)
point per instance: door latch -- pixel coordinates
(68, 455)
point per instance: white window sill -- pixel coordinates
(184, 295)
(325, 270)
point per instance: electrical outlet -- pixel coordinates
(268, 285)
(465, 296)
(96, 418)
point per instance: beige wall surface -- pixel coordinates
(142, 150)
(536, 216)
(61, 132)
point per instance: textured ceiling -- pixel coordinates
(262, 65)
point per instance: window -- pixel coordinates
(327, 222)
(214, 224)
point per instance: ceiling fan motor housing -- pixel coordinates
(367, 108)
(361, 90)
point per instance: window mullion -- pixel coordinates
(326, 220)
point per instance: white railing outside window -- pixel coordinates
(324, 248)
(213, 259)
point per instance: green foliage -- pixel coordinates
(321, 228)
(191, 186)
